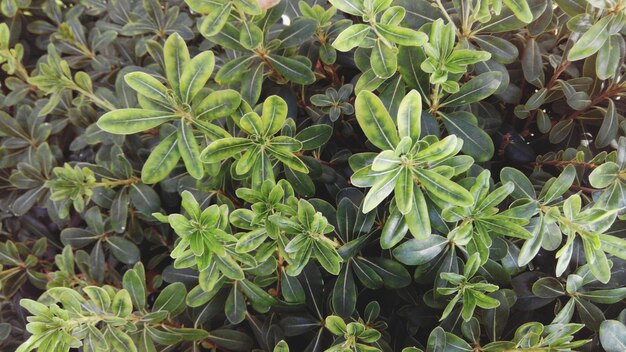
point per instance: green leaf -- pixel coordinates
(176, 57)
(382, 188)
(195, 75)
(604, 175)
(147, 86)
(404, 191)
(384, 60)
(593, 39)
(375, 121)
(250, 36)
(444, 189)
(135, 287)
(189, 150)
(298, 32)
(281, 346)
(561, 184)
(335, 324)
(99, 296)
(439, 150)
(402, 36)
(419, 252)
(351, 37)
(348, 6)
(315, 136)
(274, 115)
(608, 130)
(476, 142)
(394, 230)
(344, 292)
(215, 20)
(327, 256)
(532, 63)
(613, 336)
(418, 219)
(500, 49)
(232, 71)
(235, 307)
(122, 305)
(124, 250)
(410, 116)
(218, 104)
(171, 299)
(161, 161)
(224, 149)
(609, 56)
(129, 121)
(288, 158)
(520, 9)
(292, 69)
(477, 89)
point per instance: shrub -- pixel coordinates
(357, 175)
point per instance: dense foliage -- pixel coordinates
(284, 175)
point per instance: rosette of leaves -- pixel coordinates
(381, 31)
(334, 103)
(308, 231)
(259, 53)
(468, 289)
(205, 242)
(410, 167)
(261, 149)
(444, 60)
(559, 215)
(272, 198)
(354, 336)
(110, 184)
(435, 71)
(477, 223)
(582, 300)
(107, 318)
(183, 102)
(328, 28)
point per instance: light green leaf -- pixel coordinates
(410, 116)
(351, 37)
(224, 149)
(292, 69)
(384, 60)
(274, 115)
(404, 191)
(161, 161)
(218, 104)
(375, 121)
(176, 58)
(520, 9)
(147, 86)
(477, 89)
(195, 75)
(129, 121)
(189, 150)
(593, 39)
(401, 35)
(444, 189)
(215, 20)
